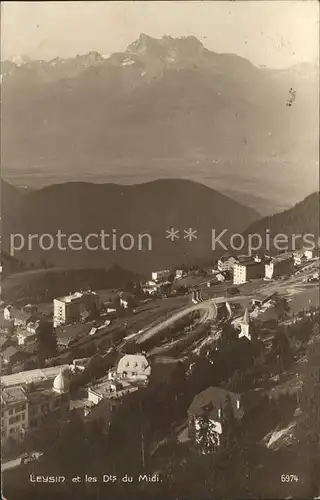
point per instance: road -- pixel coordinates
(209, 307)
(210, 312)
(11, 464)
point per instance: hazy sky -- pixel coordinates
(273, 33)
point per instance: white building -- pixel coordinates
(69, 308)
(134, 367)
(226, 263)
(160, 275)
(298, 257)
(150, 287)
(279, 266)
(24, 337)
(33, 403)
(179, 274)
(7, 313)
(251, 268)
(109, 387)
(311, 253)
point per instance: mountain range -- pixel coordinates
(164, 107)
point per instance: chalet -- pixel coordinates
(226, 263)
(212, 403)
(134, 367)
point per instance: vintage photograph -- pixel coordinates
(160, 257)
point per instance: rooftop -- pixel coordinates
(72, 331)
(20, 314)
(212, 399)
(75, 297)
(12, 395)
(32, 376)
(281, 257)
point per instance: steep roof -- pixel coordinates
(134, 361)
(211, 400)
(12, 395)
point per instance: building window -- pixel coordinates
(12, 430)
(11, 411)
(23, 407)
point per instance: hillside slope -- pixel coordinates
(42, 285)
(162, 107)
(302, 219)
(151, 208)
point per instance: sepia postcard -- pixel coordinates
(160, 251)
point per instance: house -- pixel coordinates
(279, 266)
(127, 301)
(160, 275)
(68, 333)
(109, 388)
(134, 367)
(31, 309)
(221, 276)
(150, 287)
(262, 298)
(7, 313)
(312, 253)
(19, 317)
(226, 263)
(70, 308)
(26, 337)
(28, 333)
(179, 274)
(247, 269)
(299, 257)
(64, 342)
(212, 403)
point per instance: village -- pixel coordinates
(89, 352)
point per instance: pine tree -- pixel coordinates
(206, 434)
